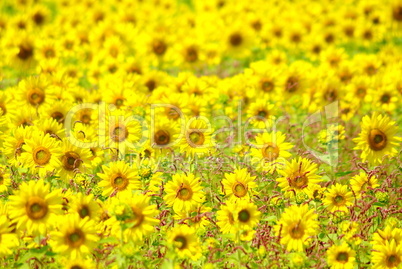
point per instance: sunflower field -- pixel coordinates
(200, 134)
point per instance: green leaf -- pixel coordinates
(341, 174)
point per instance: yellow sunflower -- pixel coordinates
(338, 198)
(271, 151)
(73, 160)
(33, 206)
(226, 219)
(135, 214)
(184, 192)
(75, 237)
(298, 175)
(85, 206)
(5, 180)
(9, 240)
(196, 218)
(117, 177)
(41, 154)
(246, 215)
(377, 138)
(341, 257)
(387, 256)
(198, 139)
(184, 242)
(238, 184)
(361, 183)
(296, 227)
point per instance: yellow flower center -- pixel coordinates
(162, 137)
(75, 239)
(71, 160)
(244, 215)
(377, 139)
(270, 151)
(36, 208)
(119, 133)
(119, 181)
(393, 261)
(342, 257)
(296, 231)
(185, 192)
(180, 242)
(197, 138)
(339, 200)
(41, 155)
(239, 189)
(84, 211)
(35, 96)
(235, 39)
(298, 181)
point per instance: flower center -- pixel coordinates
(298, 181)
(172, 114)
(342, 257)
(162, 137)
(235, 39)
(196, 138)
(244, 215)
(71, 160)
(397, 13)
(180, 242)
(84, 211)
(191, 55)
(185, 193)
(297, 231)
(41, 155)
(339, 200)
(385, 98)
(35, 96)
(58, 116)
(26, 52)
(292, 84)
(119, 133)
(270, 151)
(159, 47)
(393, 261)
(75, 239)
(377, 140)
(239, 189)
(119, 102)
(137, 217)
(36, 208)
(119, 181)
(266, 85)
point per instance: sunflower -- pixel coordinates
(32, 91)
(13, 143)
(117, 177)
(298, 175)
(226, 218)
(164, 134)
(270, 151)
(388, 255)
(184, 192)
(197, 218)
(50, 126)
(9, 240)
(246, 215)
(184, 242)
(85, 205)
(239, 184)
(33, 206)
(135, 214)
(73, 160)
(338, 198)
(377, 138)
(41, 154)
(5, 180)
(75, 237)
(381, 237)
(261, 113)
(198, 140)
(296, 227)
(341, 257)
(362, 182)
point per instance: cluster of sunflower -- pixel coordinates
(213, 134)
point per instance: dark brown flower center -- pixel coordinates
(377, 139)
